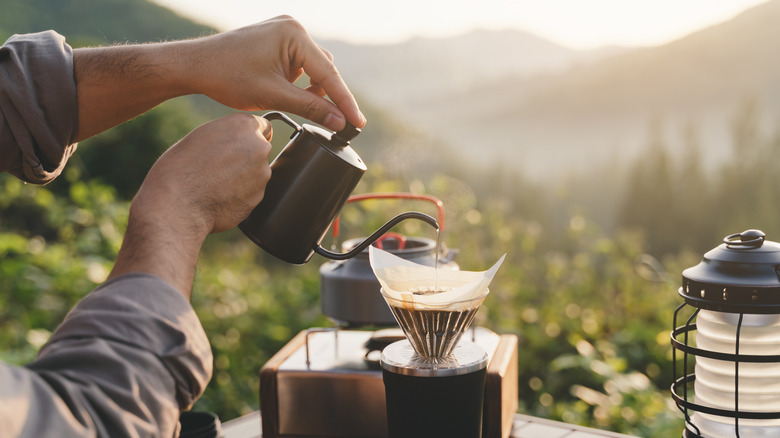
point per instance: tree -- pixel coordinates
(122, 156)
(649, 202)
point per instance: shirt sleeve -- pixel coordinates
(38, 106)
(124, 363)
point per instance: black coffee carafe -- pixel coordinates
(311, 179)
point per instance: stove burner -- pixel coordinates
(377, 342)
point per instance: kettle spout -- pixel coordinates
(376, 235)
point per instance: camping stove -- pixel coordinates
(327, 382)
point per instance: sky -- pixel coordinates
(577, 24)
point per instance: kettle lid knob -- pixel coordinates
(348, 133)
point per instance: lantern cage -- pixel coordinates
(726, 350)
(731, 340)
(682, 386)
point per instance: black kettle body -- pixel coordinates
(311, 179)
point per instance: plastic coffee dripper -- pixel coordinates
(433, 307)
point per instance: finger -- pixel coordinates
(293, 74)
(309, 105)
(337, 91)
(316, 89)
(322, 71)
(327, 53)
(265, 128)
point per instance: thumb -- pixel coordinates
(265, 127)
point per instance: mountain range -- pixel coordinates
(507, 96)
(421, 69)
(512, 98)
(97, 22)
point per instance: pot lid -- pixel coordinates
(740, 275)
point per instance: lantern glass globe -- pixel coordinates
(759, 383)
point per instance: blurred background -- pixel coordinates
(604, 146)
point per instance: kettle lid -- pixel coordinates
(740, 275)
(337, 143)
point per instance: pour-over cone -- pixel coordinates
(433, 330)
(433, 307)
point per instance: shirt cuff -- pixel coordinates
(38, 106)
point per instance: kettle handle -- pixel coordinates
(376, 235)
(276, 115)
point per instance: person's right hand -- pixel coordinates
(213, 177)
(207, 182)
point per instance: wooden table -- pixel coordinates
(524, 426)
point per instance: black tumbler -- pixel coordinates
(434, 397)
(200, 424)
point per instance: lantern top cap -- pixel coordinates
(741, 275)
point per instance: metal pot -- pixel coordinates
(350, 291)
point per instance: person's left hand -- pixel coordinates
(253, 68)
(206, 183)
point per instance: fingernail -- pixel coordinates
(335, 121)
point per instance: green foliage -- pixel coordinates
(683, 207)
(121, 157)
(591, 308)
(250, 308)
(48, 267)
(588, 324)
(89, 22)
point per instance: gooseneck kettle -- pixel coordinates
(311, 179)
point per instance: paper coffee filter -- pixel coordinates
(400, 278)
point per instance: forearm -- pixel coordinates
(249, 69)
(206, 183)
(115, 84)
(156, 243)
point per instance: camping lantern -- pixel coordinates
(729, 347)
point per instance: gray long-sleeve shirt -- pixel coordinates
(38, 106)
(126, 360)
(132, 354)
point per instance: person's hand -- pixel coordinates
(213, 177)
(253, 68)
(207, 182)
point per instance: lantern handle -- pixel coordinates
(747, 238)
